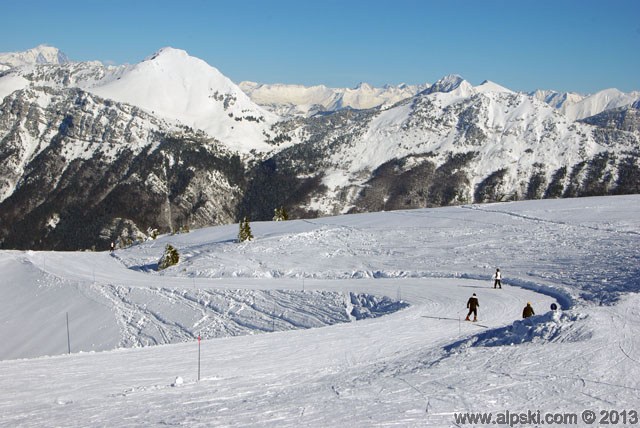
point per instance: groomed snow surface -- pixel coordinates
(354, 320)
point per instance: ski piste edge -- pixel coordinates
(456, 319)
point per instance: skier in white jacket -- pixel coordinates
(497, 279)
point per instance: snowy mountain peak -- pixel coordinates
(489, 86)
(170, 54)
(596, 103)
(608, 95)
(363, 86)
(446, 84)
(557, 100)
(42, 54)
(176, 86)
(180, 64)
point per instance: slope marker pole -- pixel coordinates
(68, 337)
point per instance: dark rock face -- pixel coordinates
(416, 182)
(621, 119)
(103, 171)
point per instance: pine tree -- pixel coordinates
(169, 258)
(245, 231)
(280, 214)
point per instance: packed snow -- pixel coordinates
(354, 320)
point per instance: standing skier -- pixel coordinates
(472, 305)
(527, 311)
(497, 279)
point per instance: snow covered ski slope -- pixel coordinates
(405, 360)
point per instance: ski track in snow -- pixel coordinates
(152, 316)
(413, 367)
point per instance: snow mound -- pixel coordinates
(369, 306)
(554, 326)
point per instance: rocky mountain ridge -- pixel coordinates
(92, 153)
(79, 171)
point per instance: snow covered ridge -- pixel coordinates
(71, 148)
(453, 147)
(176, 86)
(298, 100)
(42, 54)
(285, 100)
(169, 84)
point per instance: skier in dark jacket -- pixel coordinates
(527, 311)
(473, 305)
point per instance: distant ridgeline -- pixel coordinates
(81, 166)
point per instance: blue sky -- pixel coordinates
(566, 45)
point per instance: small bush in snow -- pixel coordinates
(169, 258)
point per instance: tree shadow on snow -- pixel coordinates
(149, 267)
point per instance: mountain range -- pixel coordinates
(92, 153)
